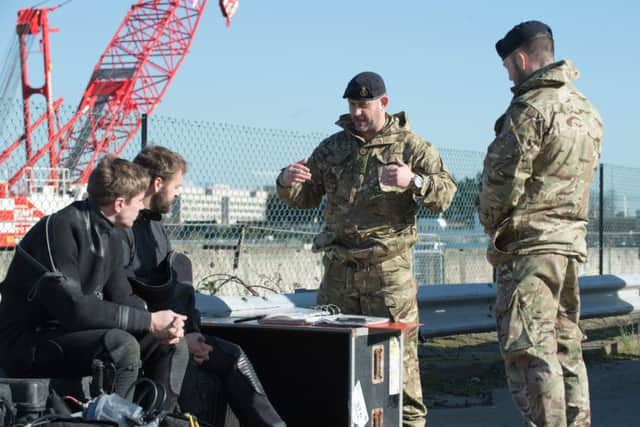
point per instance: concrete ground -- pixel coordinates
(464, 384)
(615, 401)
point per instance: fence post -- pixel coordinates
(143, 130)
(238, 248)
(601, 223)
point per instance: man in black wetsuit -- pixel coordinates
(154, 279)
(57, 315)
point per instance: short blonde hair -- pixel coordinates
(114, 177)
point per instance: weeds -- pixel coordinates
(629, 340)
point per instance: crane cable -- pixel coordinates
(47, 1)
(10, 79)
(10, 70)
(63, 3)
(39, 4)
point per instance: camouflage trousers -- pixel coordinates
(385, 289)
(537, 313)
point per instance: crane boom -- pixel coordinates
(130, 78)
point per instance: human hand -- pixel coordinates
(295, 172)
(198, 347)
(167, 326)
(397, 174)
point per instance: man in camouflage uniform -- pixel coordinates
(375, 173)
(533, 204)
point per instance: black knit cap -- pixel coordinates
(520, 34)
(365, 86)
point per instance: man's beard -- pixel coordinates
(160, 204)
(362, 127)
(520, 76)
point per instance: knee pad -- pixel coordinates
(239, 361)
(246, 368)
(122, 349)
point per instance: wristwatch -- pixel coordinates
(417, 182)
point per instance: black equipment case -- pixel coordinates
(323, 376)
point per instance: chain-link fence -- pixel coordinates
(619, 231)
(231, 222)
(243, 239)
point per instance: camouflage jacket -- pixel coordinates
(534, 195)
(361, 213)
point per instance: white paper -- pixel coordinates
(359, 413)
(395, 366)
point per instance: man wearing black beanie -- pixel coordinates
(376, 172)
(533, 203)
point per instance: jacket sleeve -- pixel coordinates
(306, 195)
(439, 186)
(120, 291)
(184, 295)
(509, 164)
(63, 296)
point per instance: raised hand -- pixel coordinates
(295, 172)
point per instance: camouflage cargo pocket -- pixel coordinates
(401, 308)
(513, 322)
(399, 288)
(333, 282)
(389, 268)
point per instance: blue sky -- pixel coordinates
(284, 64)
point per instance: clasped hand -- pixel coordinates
(167, 326)
(397, 174)
(198, 347)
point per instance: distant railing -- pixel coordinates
(447, 309)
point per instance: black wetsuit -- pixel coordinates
(154, 278)
(56, 324)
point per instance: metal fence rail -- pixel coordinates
(447, 309)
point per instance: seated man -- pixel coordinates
(152, 278)
(55, 315)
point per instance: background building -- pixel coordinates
(221, 204)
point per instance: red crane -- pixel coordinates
(130, 79)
